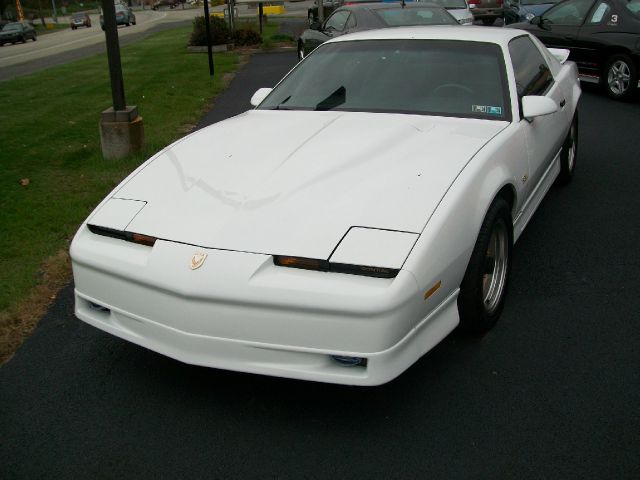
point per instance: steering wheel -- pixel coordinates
(451, 89)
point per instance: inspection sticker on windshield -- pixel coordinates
(486, 109)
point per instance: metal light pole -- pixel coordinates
(113, 54)
(121, 128)
(208, 29)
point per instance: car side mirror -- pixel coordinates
(315, 25)
(259, 96)
(536, 21)
(537, 106)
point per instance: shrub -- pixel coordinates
(220, 33)
(246, 36)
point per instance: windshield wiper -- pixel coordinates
(280, 105)
(335, 99)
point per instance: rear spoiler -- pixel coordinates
(560, 54)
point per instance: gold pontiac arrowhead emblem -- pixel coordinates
(197, 260)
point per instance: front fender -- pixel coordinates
(444, 248)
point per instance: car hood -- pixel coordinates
(294, 182)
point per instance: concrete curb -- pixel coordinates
(214, 48)
(241, 50)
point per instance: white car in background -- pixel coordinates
(458, 8)
(336, 233)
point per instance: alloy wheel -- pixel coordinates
(619, 77)
(496, 265)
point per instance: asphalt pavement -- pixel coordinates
(552, 392)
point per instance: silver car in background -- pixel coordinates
(458, 8)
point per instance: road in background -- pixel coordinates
(68, 45)
(552, 392)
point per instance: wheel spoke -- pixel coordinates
(495, 267)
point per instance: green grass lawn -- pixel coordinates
(49, 135)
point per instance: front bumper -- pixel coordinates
(241, 312)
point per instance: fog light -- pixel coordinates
(350, 361)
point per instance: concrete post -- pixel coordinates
(121, 132)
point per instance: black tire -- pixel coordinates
(35, 37)
(489, 21)
(569, 154)
(482, 293)
(126, 24)
(23, 39)
(620, 77)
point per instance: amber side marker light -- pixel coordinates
(126, 236)
(432, 290)
(326, 266)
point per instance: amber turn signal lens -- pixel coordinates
(325, 266)
(126, 236)
(301, 262)
(143, 239)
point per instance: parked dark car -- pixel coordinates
(603, 37)
(80, 19)
(486, 10)
(17, 32)
(354, 18)
(331, 5)
(165, 3)
(516, 11)
(124, 16)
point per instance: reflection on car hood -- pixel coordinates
(294, 182)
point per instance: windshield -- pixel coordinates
(78, 16)
(12, 26)
(395, 17)
(448, 3)
(428, 77)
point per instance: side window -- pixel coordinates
(532, 73)
(337, 21)
(571, 12)
(352, 21)
(601, 12)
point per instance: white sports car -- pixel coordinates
(344, 227)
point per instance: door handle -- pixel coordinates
(563, 103)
